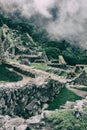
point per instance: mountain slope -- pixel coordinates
(53, 48)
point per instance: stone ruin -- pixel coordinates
(1, 53)
(62, 60)
(82, 78)
(6, 44)
(2, 41)
(60, 63)
(38, 57)
(13, 47)
(20, 102)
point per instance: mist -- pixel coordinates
(28, 8)
(65, 19)
(71, 22)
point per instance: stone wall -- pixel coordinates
(82, 79)
(20, 70)
(28, 100)
(40, 122)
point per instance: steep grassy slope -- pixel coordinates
(64, 96)
(8, 75)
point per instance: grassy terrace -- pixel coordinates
(81, 87)
(8, 75)
(44, 67)
(11, 60)
(64, 96)
(65, 120)
(41, 66)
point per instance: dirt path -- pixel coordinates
(41, 73)
(76, 91)
(20, 83)
(40, 77)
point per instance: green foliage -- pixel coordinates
(63, 96)
(72, 54)
(83, 88)
(52, 52)
(8, 76)
(63, 73)
(40, 66)
(65, 120)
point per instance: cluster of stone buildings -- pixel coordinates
(8, 49)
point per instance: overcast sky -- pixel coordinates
(28, 7)
(70, 22)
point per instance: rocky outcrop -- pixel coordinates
(39, 122)
(81, 79)
(34, 123)
(28, 100)
(75, 105)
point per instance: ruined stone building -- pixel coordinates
(1, 48)
(2, 40)
(62, 60)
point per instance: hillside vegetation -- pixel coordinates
(65, 120)
(72, 54)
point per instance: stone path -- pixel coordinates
(40, 77)
(41, 73)
(76, 91)
(20, 83)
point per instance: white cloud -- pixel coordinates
(43, 5)
(70, 22)
(28, 7)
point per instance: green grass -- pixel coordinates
(11, 60)
(81, 87)
(85, 70)
(41, 66)
(64, 74)
(44, 67)
(8, 76)
(65, 120)
(63, 96)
